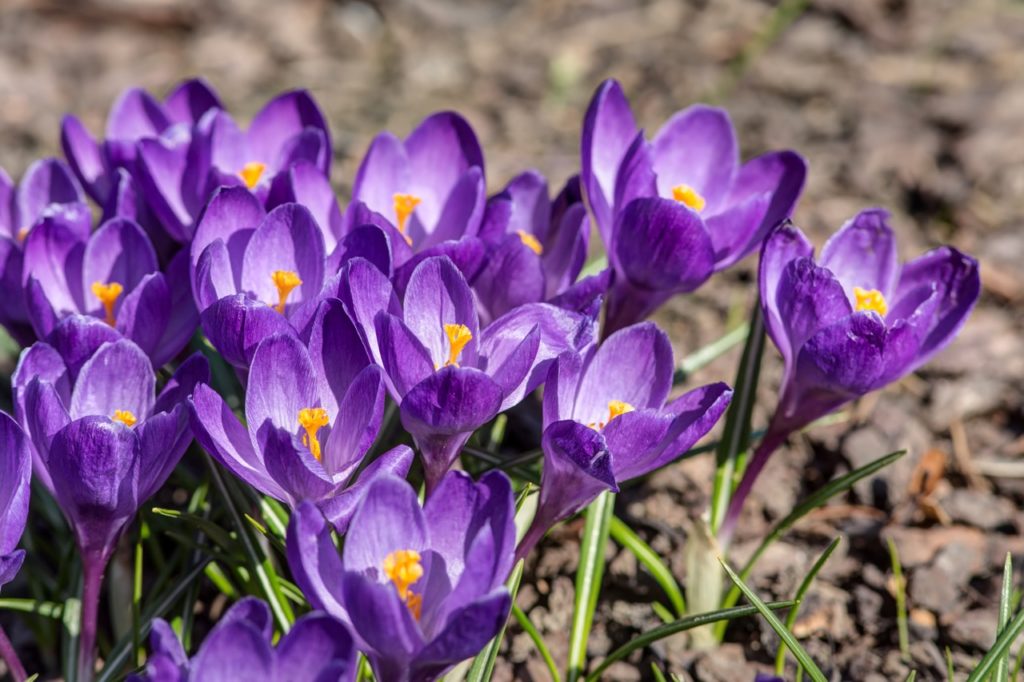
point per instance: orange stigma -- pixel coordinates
(251, 173)
(23, 234)
(870, 299)
(532, 242)
(458, 336)
(312, 419)
(615, 409)
(403, 568)
(125, 417)
(405, 204)
(108, 293)
(285, 281)
(688, 196)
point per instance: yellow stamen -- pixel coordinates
(405, 204)
(687, 195)
(23, 233)
(108, 293)
(285, 281)
(615, 409)
(251, 173)
(403, 568)
(458, 336)
(125, 417)
(312, 419)
(870, 299)
(531, 242)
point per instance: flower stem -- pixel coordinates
(10, 656)
(93, 568)
(772, 440)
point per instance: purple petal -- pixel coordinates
(190, 100)
(15, 475)
(863, 254)
(314, 561)
(383, 172)
(163, 169)
(236, 325)
(183, 318)
(697, 147)
(577, 468)
(288, 239)
(359, 416)
(340, 508)
(391, 636)
(282, 118)
(565, 251)
(294, 468)
(438, 295)
(118, 377)
(466, 633)
(783, 245)
(315, 644)
(162, 441)
(808, 299)
(7, 211)
(219, 432)
(366, 241)
(282, 381)
(608, 130)
(389, 519)
(144, 312)
(135, 115)
(467, 254)
(39, 361)
(844, 358)
(232, 215)
(510, 261)
(77, 338)
(305, 184)
(212, 276)
(531, 207)
(179, 388)
(47, 181)
(85, 158)
(53, 258)
(633, 366)
(236, 651)
(366, 291)
(460, 215)
(636, 178)
(440, 151)
(117, 252)
(404, 358)
(562, 387)
(337, 352)
(45, 416)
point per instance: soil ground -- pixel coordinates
(915, 105)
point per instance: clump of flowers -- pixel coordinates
(372, 395)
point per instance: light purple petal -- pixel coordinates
(863, 254)
(697, 147)
(282, 381)
(361, 410)
(388, 520)
(782, 246)
(282, 118)
(438, 295)
(232, 215)
(118, 377)
(288, 239)
(190, 100)
(314, 561)
(236, 325)
(340, 508)
(608, 130)
(144, 312)
(85, 158)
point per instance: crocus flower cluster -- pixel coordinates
(417, 314)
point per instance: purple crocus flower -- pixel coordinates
(674, 210)
(539, 244)
(852, 323)
(47, 187)
(178, 173)
(432, 577)
(429, 187)
(311, 417)
(15, 477)
(135, 116)
(449, 376)
(606, 420)
(318, 648)
(111, 274)
(105, 442)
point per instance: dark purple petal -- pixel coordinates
(340, 508)
(316, 644)
(608, 130)
(360, 411)
(39, 361)
(13, 313)
(314, 561)
(162, 441)
(468, 254)
(236, 325)
(697, 147)
(45, 416)
(562, 386)
(366, 291)
(184, 318)
(391, 636)
(466, 633)
(636, 178)
(440, 151)
(460, 215)
(282, 118)
(405, 360)
(118, 377)
(293, 467)
(577, 468)
(15, 475)
(863, 254)
(213, 277)
(337, 352)
(47, 181)
(7, 211)
(634, 366)
(845, 358)
(144, 313)
(512, 366)
(366, 241)
(565, 251)
(117, 252)
(783, 245)
(190, 100)
(136, 114)
(305, 184)
(85, 158)
(53, 259)
(383, 172)
(219, 432)
(235, 651)
(77, 338)
(179, 388)
(510, 261)
(163, 170)
(808, 299)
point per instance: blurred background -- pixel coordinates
(915, 105)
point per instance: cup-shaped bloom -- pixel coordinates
(105, 440)
(318, 648)
(607, 420)
(311, 416)
(135, 116)
(537, 243)
(111, 274)
(674, 210)
(252, 271)
(449, 375)
(46, 188)
(430, 186)
(15, 477)
(852, 322)
(420, 588)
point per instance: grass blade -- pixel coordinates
(815, 500)
(901, 602)
(47, 609)
(527, 625)
(1002, 673)
(682, 625)
(588, 581)
(1006, 638)
(483, 665)
(780, 657)
(785, 635)
(625, 536)
(736, 435)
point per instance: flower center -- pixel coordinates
(285, 281)
(458, 336)
(107, 293)
(125, 417)
(870, 299)
(615, 408)
(531, 242)
(312, 419)
(23, 234)
(251, 173)
(688, 196)
(403, 568)
(405, 204)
